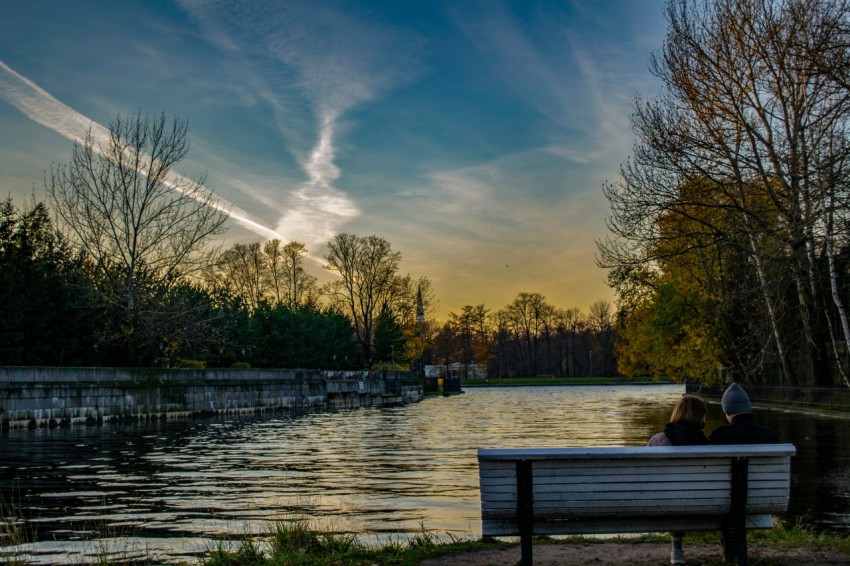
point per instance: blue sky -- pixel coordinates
(475, 136)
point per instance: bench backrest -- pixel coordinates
(631, 489)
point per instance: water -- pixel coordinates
(171, 489)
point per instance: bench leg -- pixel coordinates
(735, 525)
(525, 508)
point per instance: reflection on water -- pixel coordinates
(173, 486)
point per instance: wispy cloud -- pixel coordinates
(521, 62)
(503, 202)
(302, 53)
(40, 106)
(576, 77)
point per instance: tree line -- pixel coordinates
(528, 337)
(127, 275)
(249, 305)
(729, 225)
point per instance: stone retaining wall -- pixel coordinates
(48, 396)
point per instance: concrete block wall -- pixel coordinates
(50, 396)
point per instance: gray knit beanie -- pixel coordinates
(735, 400)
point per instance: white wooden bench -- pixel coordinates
(612, 490)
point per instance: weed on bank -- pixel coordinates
(294, 543)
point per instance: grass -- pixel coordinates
(778, 538)
(799, 536)
(293, 543)
(14, 535)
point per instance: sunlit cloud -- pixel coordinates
(336, 63)
(316, 208)
(41, 107)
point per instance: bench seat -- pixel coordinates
(611, 490)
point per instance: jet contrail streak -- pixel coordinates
(41, 107)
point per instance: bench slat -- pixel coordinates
(631, 489)
(630, 452)
(623, 525)
(684, 496)
(593, 507)
(543, 468)
(661, 484)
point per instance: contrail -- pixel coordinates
(40, 106)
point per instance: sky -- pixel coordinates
(474, 136)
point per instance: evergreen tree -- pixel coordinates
(390, 344)
(46, 318)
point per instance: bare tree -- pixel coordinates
(242, 269)
(266, 273)
(289, 281)
(527, 318)
(601, 323)
(571, 323)
(470, 328)
(367, 267)
(123, 206)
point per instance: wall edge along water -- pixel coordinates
(32, 397)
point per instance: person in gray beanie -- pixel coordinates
(742, 427)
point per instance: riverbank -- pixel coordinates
(637, 552)
(296, 544)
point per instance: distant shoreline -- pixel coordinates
(562, 381)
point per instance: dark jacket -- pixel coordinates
(743, 430)
(678, 435)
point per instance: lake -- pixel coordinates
(169, 489)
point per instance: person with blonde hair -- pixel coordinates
(685, 426)
(684, 429)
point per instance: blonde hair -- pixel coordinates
(689, 411)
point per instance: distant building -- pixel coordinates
(420, 306)
(457, 369)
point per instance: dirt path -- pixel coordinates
(636, 553)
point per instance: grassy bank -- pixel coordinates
(525, 381)
(293, 543)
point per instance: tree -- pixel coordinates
(570, 325)
(750, 130)
(140, 223)
(243, 269)
(527, 318)
(367, 267)
(390, 344)
(472, 332)
(304, 337)
(601, 323)
(292, 284)
(266, 273)
(47, 316)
